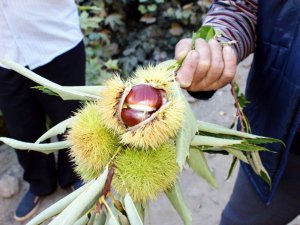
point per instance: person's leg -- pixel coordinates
(245, 207)
(25, 120)
(67, 69)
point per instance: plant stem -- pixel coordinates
(239, 111)
(106, 188)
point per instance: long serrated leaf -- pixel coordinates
(63, 92)
(244, 146)
(265, 176)
(140, 209)
(46, 148)
(237, 153)
(133, 215)
(232, 167)
(264, 140)
(93, 90)
(100, 218)
(57, 129)
(120, 217)
(58, 206)
(82, 203)
(186, 133)
(112, 218)
(259, 168)
(198, 163)
(176, 199)
(82, 220)
(217, 129)
(199, 140)
(92, 218)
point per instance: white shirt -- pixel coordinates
(33, 32)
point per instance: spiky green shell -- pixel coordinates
(165, 125)
(157, 76)
(145, 174)
(93, 144)
(109, 103)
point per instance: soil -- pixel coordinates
(206, 202)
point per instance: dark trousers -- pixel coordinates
(24, 111)
(245, 207)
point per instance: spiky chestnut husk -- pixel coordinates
(162, 125)
(167, 121)
(93, 144)
(157, 76)
(109, 104)
(145, 174)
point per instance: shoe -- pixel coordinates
(27, 207)
(76, 185)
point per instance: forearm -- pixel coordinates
(236, 21)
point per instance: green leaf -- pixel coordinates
(46, 148)
(237, 153)
(265, 176)
(217, 129)
(82, 220)
(114, 20)
(112, 64)
(64, 92)
(199, 140)
(204, 32)
(140, 209)
(232, 167)
(57, 129)
(186, 133)
(175, 197)
(198, 163)
(82, 203)
(244, 146)
(264, 140)
(113, 217)
(58, 206)
(133, 215)
(257, 166)
(45, 90)
(92, 217)
(100, 218)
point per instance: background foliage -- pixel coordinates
(122, 34)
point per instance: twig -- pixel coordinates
(106, 188)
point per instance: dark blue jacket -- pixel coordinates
(273, 86)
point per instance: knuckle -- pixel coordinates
(218, 65)
(228, 75)
(204, 64)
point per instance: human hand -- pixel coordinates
(208, 67)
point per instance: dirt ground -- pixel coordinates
(206, 203)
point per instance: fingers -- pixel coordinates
(230, 65)
(208, 67)
(183, 47)
(185, 74)
(204, 60)
(217, 64)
